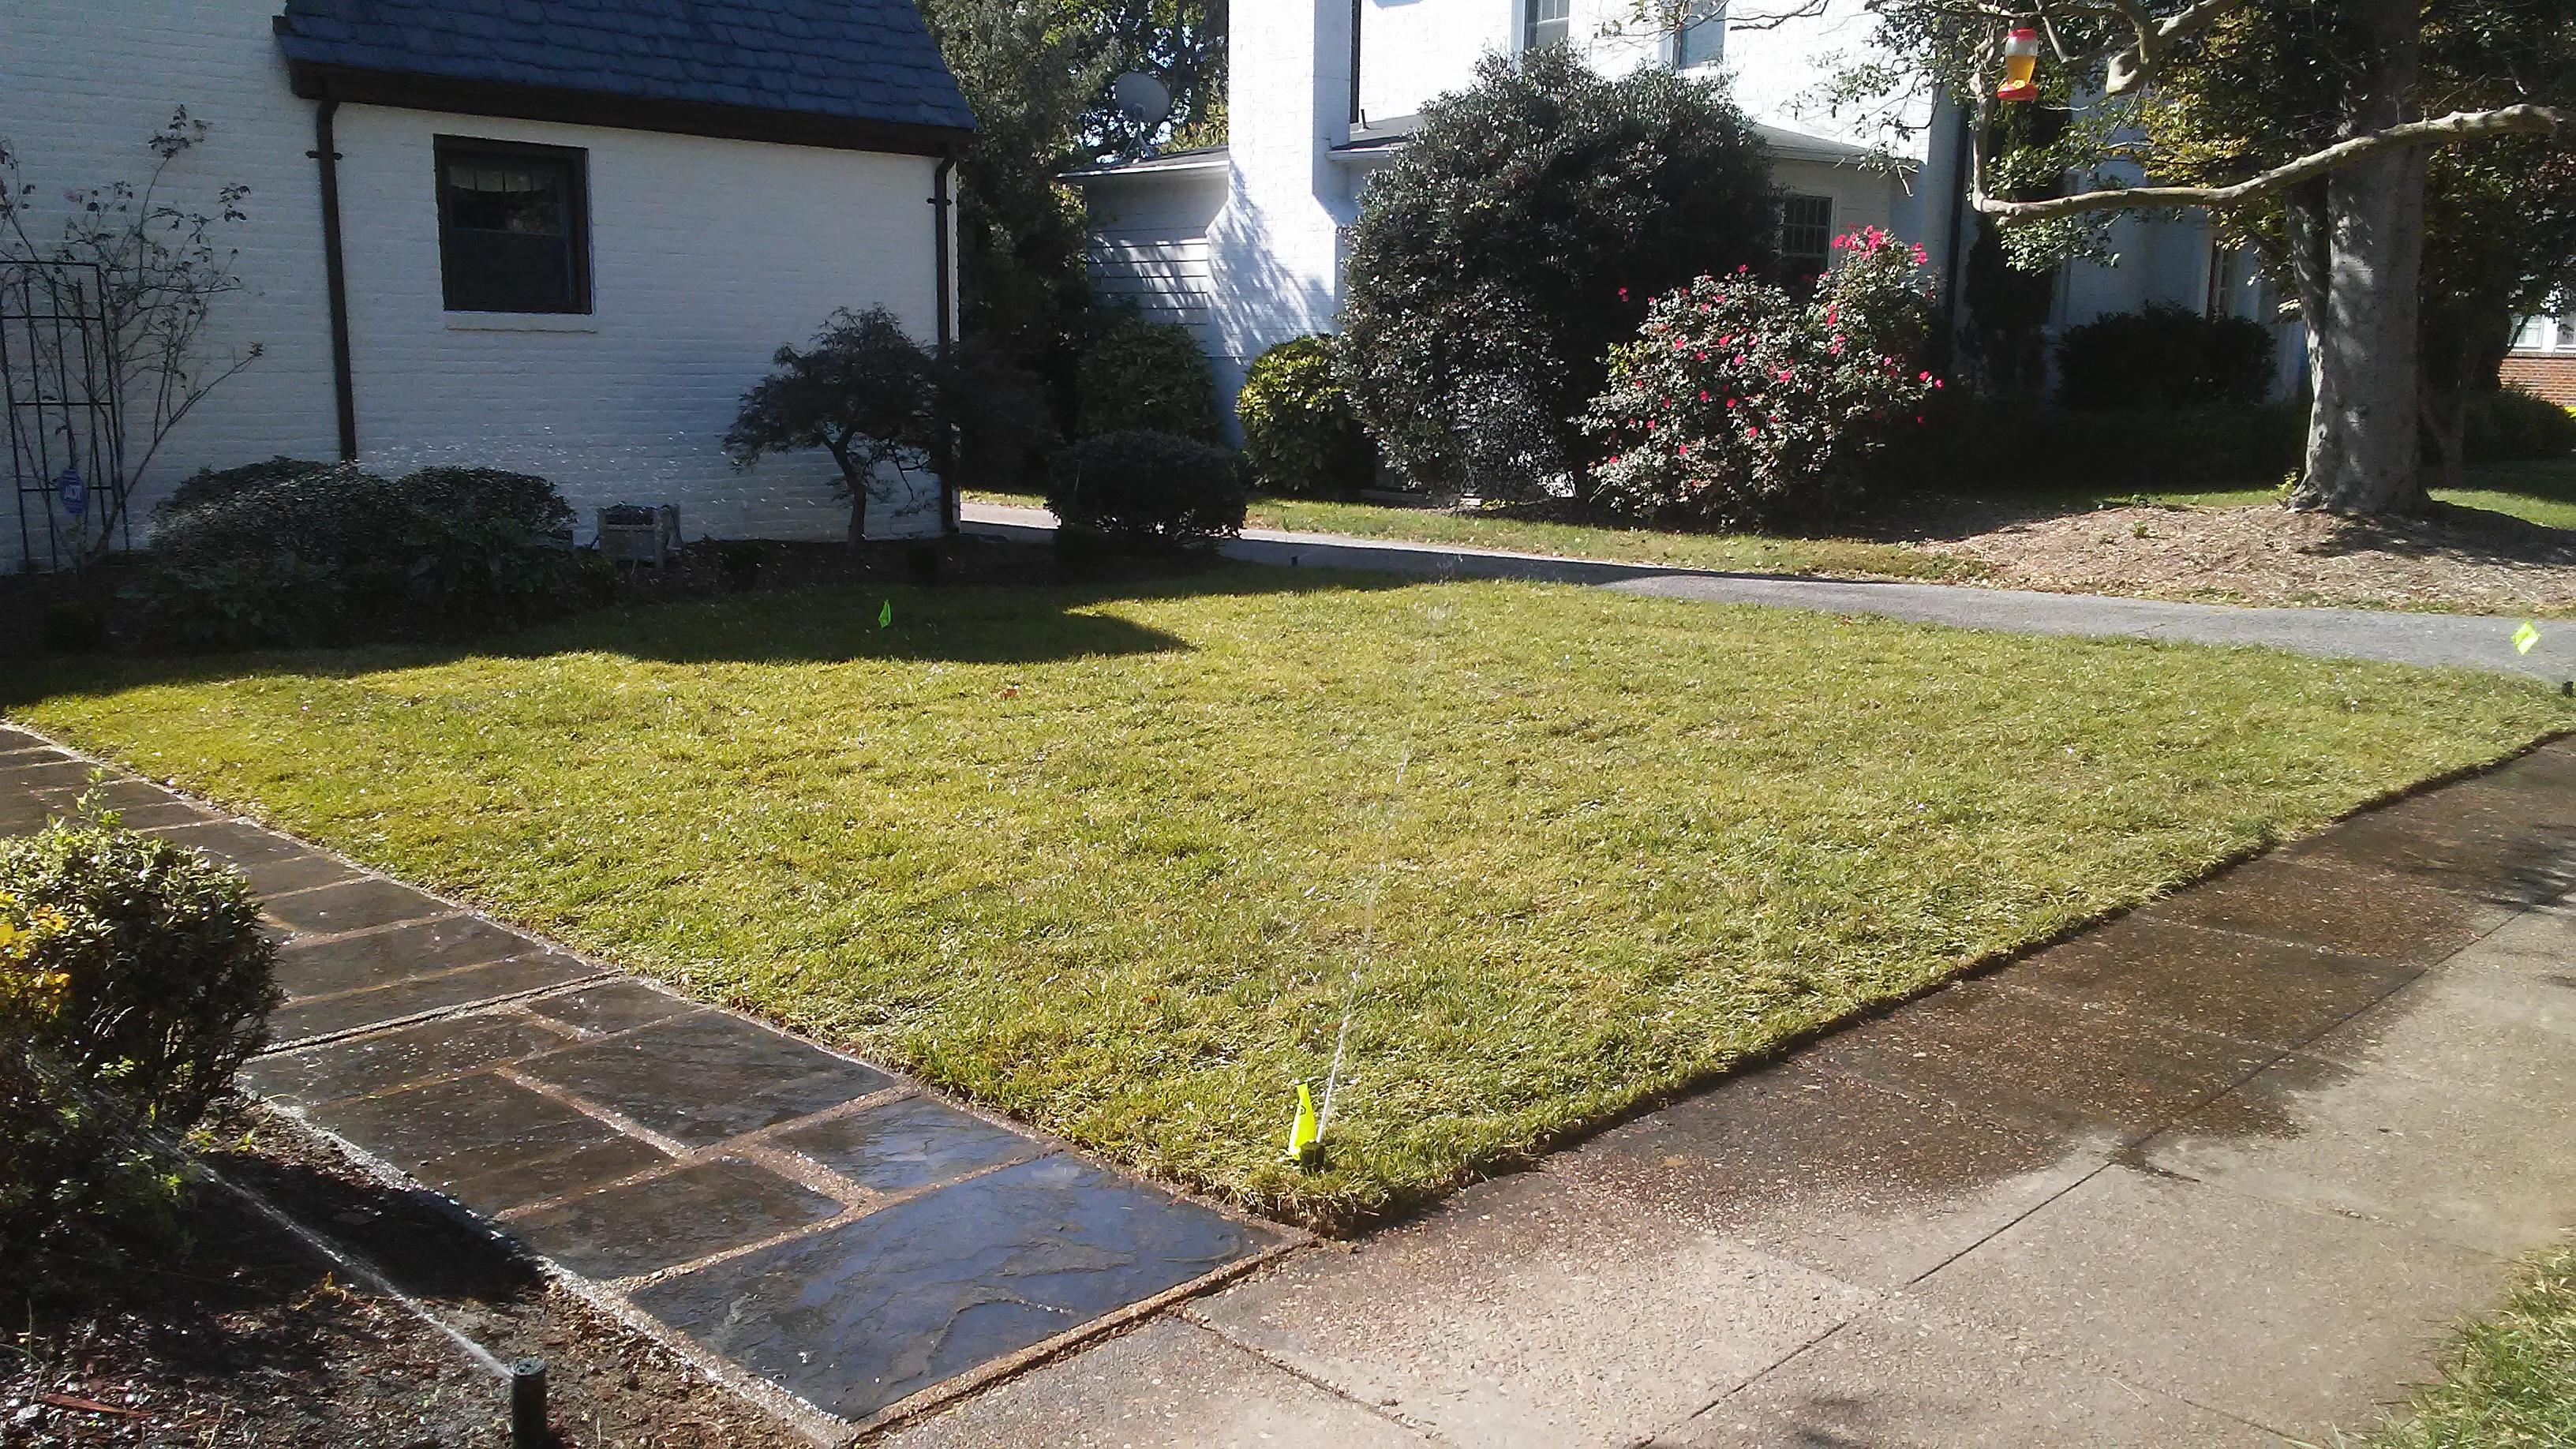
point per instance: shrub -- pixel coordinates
(1148, 489)
(2001, 445)
(1137, 375)
(1516, 240)
(134, 979)
(1299, 433)
(2163, 357)
(213, 485)
(1741, 405)
(343, 555)
(2513, 426)
(521, 498)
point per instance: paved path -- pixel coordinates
(2478, 641)
(834, 1241)
(2225, 1171)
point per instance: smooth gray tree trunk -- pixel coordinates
(2357, 252)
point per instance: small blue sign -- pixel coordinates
(75, 493)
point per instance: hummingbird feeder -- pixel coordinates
(2021, 65)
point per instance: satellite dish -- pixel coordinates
(1141, 98)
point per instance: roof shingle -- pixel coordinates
(868, 60)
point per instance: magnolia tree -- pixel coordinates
(1740, 404)
(2305, 123)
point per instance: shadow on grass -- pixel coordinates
(1036, 622)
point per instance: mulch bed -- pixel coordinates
(2453, 559)
(244, 1335)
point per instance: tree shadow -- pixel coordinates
(1037, 621)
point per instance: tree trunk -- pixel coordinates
(2357, 242)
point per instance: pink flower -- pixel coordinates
(1730, 402)
(1623, 294)
(1784, 374)
(1923, 377)
(1685, 450)
(1936, 384)
(1703, 394)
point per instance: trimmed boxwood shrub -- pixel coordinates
(1299, 433)
(2513, 426)
(2163, 357)
(213, 485)
(1136, 375)
(134, 980)
(342, 555)
(1985, 446)
(1147, 489)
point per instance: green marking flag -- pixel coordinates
(1303, 1133)
(885, 616)
(2525, 637)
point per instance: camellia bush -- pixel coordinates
(1299, 434)
(1741, 405)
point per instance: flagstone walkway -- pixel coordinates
(2226, 1170)
(831, 1239)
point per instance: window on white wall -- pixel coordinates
(1806, 238)
(1551, 22)
(2547, 334)
(513, 226)
(1700, 38)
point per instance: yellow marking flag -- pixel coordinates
(1303, 1133)
(2525, 637)
(885, 616)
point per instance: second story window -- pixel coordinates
(1551, 22)
(1699, 35)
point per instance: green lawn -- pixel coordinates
(2510, 1382)
(1730, 552)
(1106, 859)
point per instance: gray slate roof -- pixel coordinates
(869, 60)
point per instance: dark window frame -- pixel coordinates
(575, 161)
(1823, 255)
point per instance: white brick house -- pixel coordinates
(1243, 243)
(571, 234)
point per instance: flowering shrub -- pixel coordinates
(1741, 405)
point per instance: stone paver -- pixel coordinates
(810, 1227)
(2473, 641)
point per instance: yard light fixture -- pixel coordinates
(2021, 66)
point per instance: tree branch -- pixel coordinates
(2133, 66)
(2527, 120)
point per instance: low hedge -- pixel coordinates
(340, 556)
(1138, 375)
(1144, 489)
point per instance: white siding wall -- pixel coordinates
(1149, 245)
(706, 256)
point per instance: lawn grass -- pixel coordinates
(1107, 859)
(2510, 1382)
(1725, 552)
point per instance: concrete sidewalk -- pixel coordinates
(2226, 1170)
(2471, 640)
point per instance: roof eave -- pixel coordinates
(316, 80)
